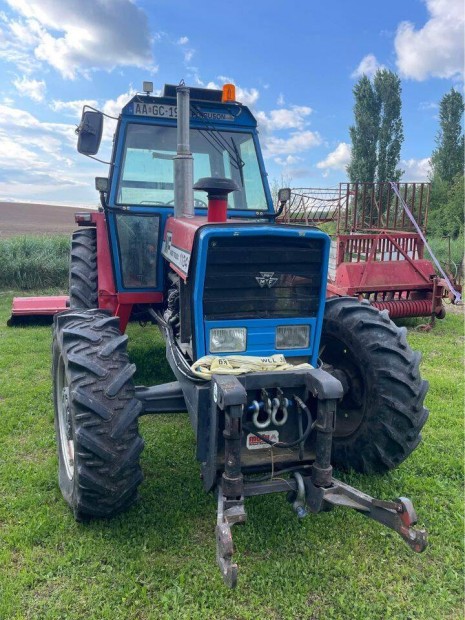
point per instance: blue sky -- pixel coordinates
(294, 63)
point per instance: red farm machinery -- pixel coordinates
(279, 382)
(378, 244)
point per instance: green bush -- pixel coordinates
(446, 213)
(440, 247)
(30, 262)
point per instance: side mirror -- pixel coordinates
(101, 184)
(284, 194)
(90, 132)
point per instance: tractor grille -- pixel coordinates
(262, 277)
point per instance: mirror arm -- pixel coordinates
(103, 201)
(273, 216)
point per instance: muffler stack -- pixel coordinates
(183, 161)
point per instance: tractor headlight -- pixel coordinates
(228, 339)
(292, 337)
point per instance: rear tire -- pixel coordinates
(381, 415)
(96, 414)
(83, 285)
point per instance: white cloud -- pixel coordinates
(284, 118)
(436, 49)
(247, 96)
(35, 89)
(113, 107)
(337, 159)
(72, 109)
(416, 170)
(16, 42)
(188, 52)
(78, 36)
(280, 100)
(368, 66)
(297, 142)
(428, 105)
(35, 156)
(188, 55)
(17, 156)
(290, 160)
(110, 107)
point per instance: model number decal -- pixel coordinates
(255, 443)
(175, 255)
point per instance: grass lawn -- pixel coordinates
(158, 560)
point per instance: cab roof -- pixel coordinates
(206, 107)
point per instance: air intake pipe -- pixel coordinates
(217, 192)
(183, 161)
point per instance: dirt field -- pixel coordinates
(18, 218)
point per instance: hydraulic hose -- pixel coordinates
(181, 364)
(283, 444)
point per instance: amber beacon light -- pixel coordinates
(229, 93)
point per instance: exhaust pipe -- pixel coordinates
(183, 161)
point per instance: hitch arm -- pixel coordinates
(398, 515)
(228, 397)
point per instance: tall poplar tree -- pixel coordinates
(364, 133)
(377, 134)
(447, 159)
(447, 169)
(391, 134)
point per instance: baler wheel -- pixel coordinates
(83, 285)
(381, 415)
(96, 414)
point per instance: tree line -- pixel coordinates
(377, 136)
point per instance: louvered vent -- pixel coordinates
(262, 277)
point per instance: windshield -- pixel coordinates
(147, 166)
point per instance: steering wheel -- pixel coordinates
(198, 204)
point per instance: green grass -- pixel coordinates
(158, 560)
(30, 262)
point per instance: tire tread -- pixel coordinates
(391, 431)
(107, 441)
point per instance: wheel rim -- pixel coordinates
(351, 410)
(64, 420)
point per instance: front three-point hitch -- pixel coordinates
(310, 488)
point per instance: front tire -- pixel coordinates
(379, 420)
(96, 414)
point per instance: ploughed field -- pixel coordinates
(20, 218)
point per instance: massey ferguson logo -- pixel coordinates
(266, 278)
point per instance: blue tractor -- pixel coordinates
(280, 383)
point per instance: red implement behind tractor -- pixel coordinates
(377, 253)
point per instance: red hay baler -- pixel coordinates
(376, 252)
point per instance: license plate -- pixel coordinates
(255, 443)
(155, 109)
